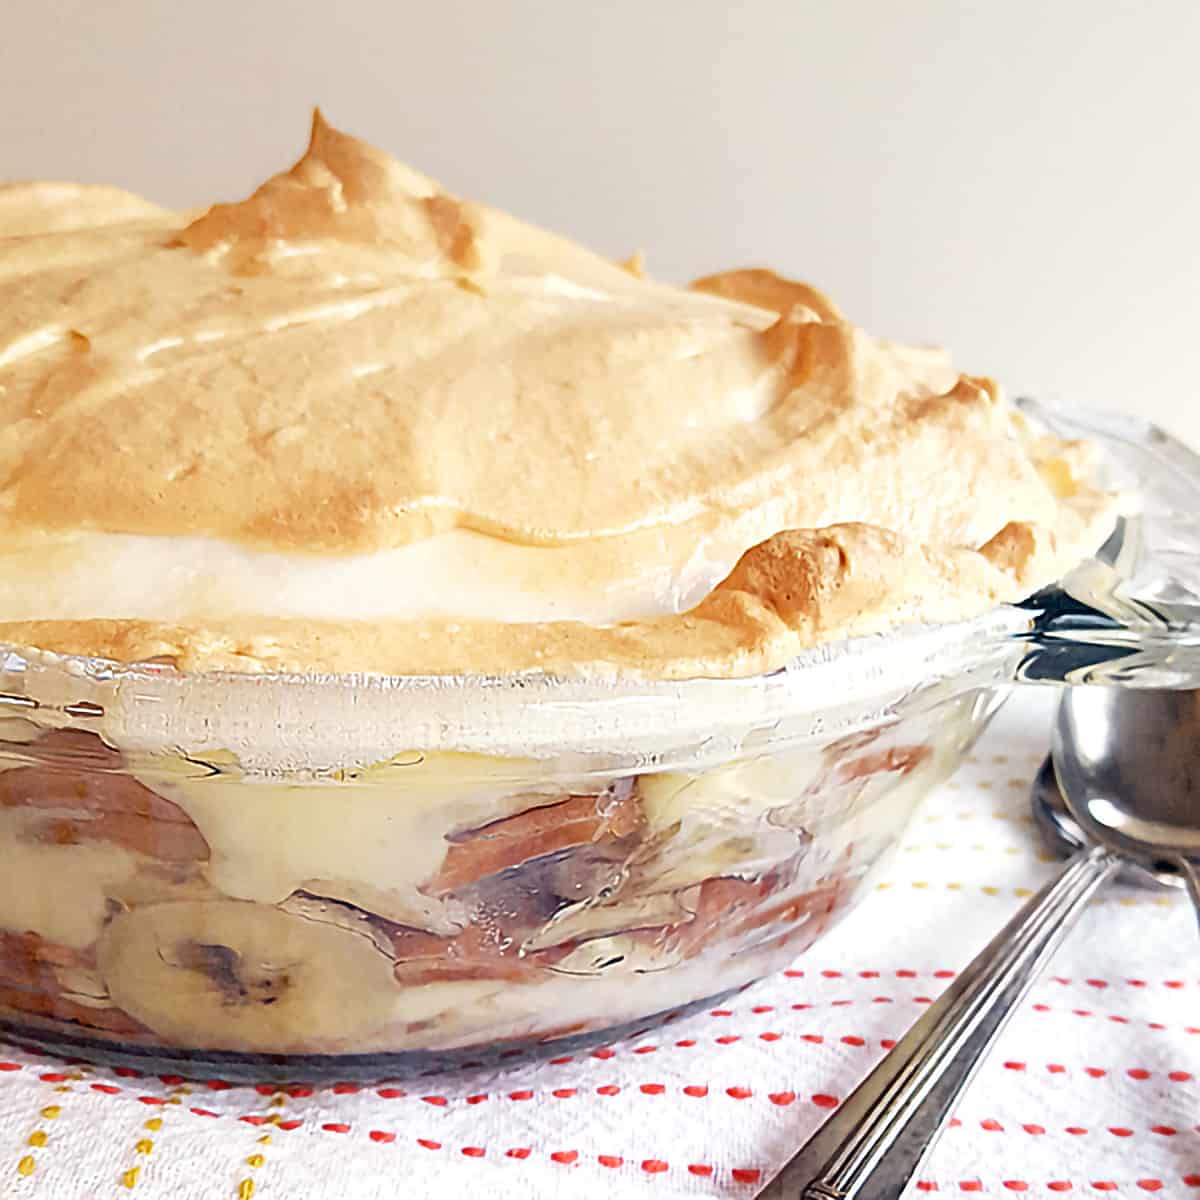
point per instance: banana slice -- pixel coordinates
(741, 819)
(233, 975)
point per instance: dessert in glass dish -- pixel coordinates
(426, 638)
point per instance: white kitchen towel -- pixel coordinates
(1092, 1089)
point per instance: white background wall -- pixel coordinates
(1020, 181)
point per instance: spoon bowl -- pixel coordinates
(1128, 766)
(1061, 833)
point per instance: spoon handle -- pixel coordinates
(1190, 871)
(879, 1136)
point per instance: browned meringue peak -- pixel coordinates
(352, 360)
(345, 191)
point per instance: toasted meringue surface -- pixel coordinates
(353, 423)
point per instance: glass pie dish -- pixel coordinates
(357, 875)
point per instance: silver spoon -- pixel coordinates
(1061, 832)
(1135, 757)
(877, 1140)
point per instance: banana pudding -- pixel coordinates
(406, 612)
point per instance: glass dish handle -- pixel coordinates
(1131, 615)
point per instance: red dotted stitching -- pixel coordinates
(657, 1088)
(1115, 1018)
(991, 1125)
(1140, 1074)
(1057, 1185)
(653, 1166)
(945, 973)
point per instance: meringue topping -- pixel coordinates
(361, 424)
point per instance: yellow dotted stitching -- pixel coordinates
(977, 847)
(990, 890)
(145, 1145)
(254, 1161)
(38, 1139)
